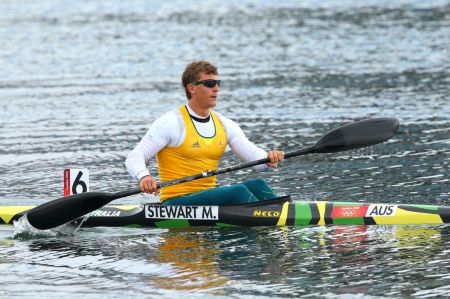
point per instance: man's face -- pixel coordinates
(204, 96)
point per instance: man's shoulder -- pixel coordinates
(169, 119)
(222, 117)
(230, 125)
(167, 127)
(171, 115)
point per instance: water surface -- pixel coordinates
(80, 83)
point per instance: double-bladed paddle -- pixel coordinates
(352, 136)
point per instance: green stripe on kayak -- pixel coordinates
(302, 213)
(172, 223)
(354, 221)
(347, 204)
(221, 224)
(426, 207)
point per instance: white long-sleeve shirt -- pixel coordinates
(170, 130)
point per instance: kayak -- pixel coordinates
(280, 211)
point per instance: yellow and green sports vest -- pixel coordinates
(197, 154)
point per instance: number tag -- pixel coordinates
(75, 181)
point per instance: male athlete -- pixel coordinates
(191, 139)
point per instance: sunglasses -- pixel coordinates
(208, 83)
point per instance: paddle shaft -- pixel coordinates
(209, 173)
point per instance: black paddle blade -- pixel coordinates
(357, 135)
(62, 210)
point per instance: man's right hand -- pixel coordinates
(148, 185)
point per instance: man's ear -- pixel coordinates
(191, 89)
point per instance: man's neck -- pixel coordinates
(198, 110)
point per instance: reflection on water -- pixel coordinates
(195, 260)
(339, 260)
(81, 82)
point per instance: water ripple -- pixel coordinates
(81, 83)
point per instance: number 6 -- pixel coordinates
(77, 182)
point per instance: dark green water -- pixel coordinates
(81, 82)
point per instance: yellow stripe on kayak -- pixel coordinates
(321, 208)
(6, 213)
(125, 208)
(284, 214)
(408, 217)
